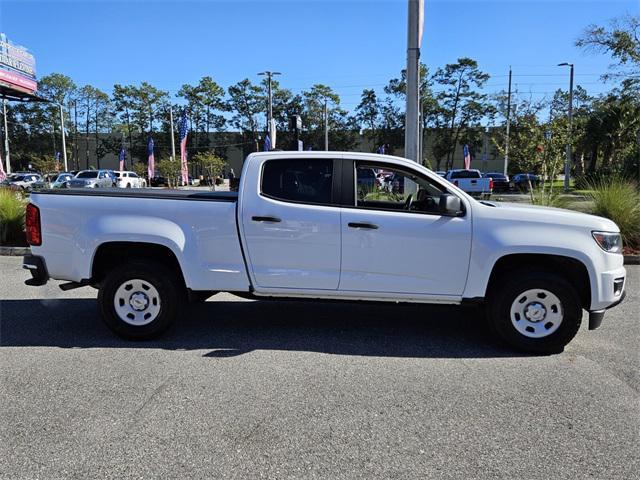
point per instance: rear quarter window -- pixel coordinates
(298, 180)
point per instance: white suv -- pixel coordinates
(127, 179)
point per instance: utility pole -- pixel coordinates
(173, 142)
(414, 39)
(270, 123)
(326, 126)
(568, 162)
(64, 141)
(506, 145)
(7, 153)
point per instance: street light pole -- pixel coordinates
(414, 38)
(506, 145)
(568, 162)
(326, 126)
(64, 141)
(7, 153)
(270, 126)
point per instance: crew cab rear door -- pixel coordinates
(290, 222)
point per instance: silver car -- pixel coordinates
(92, 179)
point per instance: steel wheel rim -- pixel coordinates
(536, 313)
(137, 302)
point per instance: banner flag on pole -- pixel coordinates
(57, 161)
(122, 158)
(267, 143)
(184, 130)
(151, 166)
(467, 158)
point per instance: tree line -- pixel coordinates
(454, 108)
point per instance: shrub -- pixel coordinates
(11, 217)
(549, 198)
(619, 200)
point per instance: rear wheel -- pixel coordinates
(141, 300)
(537, 312)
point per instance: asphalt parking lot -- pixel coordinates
(244, 389)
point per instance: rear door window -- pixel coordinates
(298, 180)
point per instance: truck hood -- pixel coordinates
(535, 213)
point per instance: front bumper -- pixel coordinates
(38, 268)
(596, 316)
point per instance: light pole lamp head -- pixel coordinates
(565, 64)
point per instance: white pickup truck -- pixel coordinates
(302, 226)
(471, 182)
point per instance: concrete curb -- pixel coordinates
(14, 251)
(632, 259)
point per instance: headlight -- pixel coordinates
(609, 242)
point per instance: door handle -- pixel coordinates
(266, 219)
(371, 226)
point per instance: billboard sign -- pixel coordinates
(17, 66)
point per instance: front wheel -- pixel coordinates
(140, 300)
(537, 312)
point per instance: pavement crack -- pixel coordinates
(147, 401)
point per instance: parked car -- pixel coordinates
(159, 181)
(521, 181)
(53, 180)
(501, 181)
(127, 179)
(294, 231)
(92, 179)
(471, 182)
(442, 173)
(22, 181)
(62, 180)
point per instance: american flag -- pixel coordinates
(151, 166)
(3, 175)
(122, 158)
(184, 131)
(467, 158)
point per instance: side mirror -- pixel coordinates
(450, 205)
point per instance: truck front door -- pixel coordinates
(394, 239)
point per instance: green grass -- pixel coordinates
(12, 210)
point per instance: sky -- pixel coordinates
(349, 45)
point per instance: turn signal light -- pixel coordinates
(32, 223)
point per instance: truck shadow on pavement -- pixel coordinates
(228, 328)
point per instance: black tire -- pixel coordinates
(507, 291)
(170, 292)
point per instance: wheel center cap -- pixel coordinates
(535, 312)
(139, 301)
